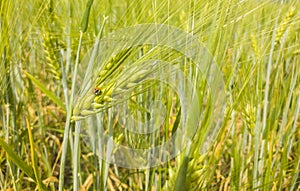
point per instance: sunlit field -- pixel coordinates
(150, 95)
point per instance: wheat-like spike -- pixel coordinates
(195, 175)
(52, 56)
(255, 47)
(115, 78)
(112, 66)
(54, 26)
(249, 118)
(112, 71)
(103, 87)
(283, 26)
(196, 172)
(51, 43)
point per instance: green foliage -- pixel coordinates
(48, 93)
(45, 54)
(17, 160)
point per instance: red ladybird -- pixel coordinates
(97, 91)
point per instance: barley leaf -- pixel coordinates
(48, 93)
(85, 19)
(17, 160)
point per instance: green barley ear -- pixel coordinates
(53, 45)
(283, 26)
(112, 66)
(249, 118)
(195, 173)
(194, 176)
(255, 47)
(106, 82)
(52, 56)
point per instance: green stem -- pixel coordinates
(76, 158)
(68, 121)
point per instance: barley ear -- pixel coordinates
(255, 47)
(283, 26)
(52, 56)
(190, 175)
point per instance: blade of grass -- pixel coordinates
(76, 157)
(180, 184)
(39, 182)
(84, 25)
(85, 19)
(68, 121)
(77, 125)
(48, 93)
(17, 160)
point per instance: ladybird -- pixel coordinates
(97, 91)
